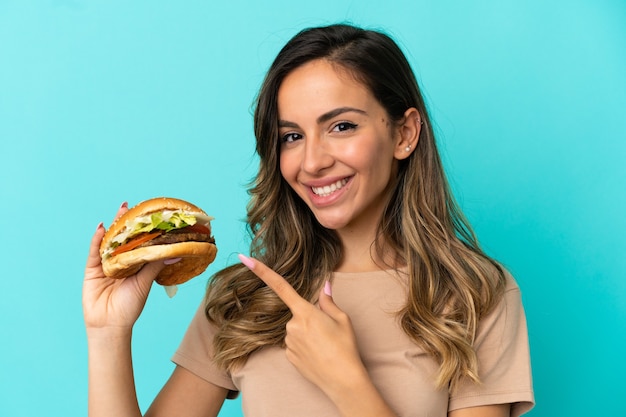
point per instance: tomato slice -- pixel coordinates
(198, 228)
(137, 241)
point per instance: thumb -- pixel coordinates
(148, 273)
(326, 302)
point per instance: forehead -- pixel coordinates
(320, 82)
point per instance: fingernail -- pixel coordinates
(100, 226)
(124, 205)
(246, 261)
(171, 261)
(328, 289)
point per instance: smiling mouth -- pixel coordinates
(329, 189)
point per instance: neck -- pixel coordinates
(360, 253)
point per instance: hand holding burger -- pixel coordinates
(159, 229)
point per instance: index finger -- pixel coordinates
(278, 284)
(123, 209)
(93, 259)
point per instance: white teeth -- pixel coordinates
(329, 189)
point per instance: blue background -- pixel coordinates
(109, 101)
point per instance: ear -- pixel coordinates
(408, 133)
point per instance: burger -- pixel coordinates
(159, 229)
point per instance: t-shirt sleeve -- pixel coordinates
(195, 353)
(503, 359)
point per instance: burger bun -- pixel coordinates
(195, 257)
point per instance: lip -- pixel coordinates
(326, 200)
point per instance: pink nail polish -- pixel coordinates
(246, 261)
(328, 289)
(171, 261)
(100, 226)
(124, 205)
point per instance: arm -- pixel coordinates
(187, 394)
(110, 308)
(359, 397)
(321, 344)
(112, 388)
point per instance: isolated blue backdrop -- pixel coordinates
(109, 101)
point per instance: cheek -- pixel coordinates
(368, 154)
(286, 164)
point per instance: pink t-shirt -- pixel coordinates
(403, 373)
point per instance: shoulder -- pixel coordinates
(505, 289)
(507, 316)
(510, 284)
(503, 355)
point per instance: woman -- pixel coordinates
(366, 293)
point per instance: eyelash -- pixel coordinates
(339, 127)
(346, 125)
(289, 137)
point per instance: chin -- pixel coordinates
(331, 223)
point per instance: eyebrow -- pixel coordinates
(325, 117)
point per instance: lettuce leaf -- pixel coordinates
(165, 221)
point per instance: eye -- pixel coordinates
(290, 137)
(344, 126)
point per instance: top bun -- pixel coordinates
(195, 256)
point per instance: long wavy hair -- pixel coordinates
(452, 283)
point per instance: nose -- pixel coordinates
(317, 156)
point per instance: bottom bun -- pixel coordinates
(196, 257)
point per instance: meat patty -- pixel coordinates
(177, 236)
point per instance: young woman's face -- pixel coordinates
(337, 146)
